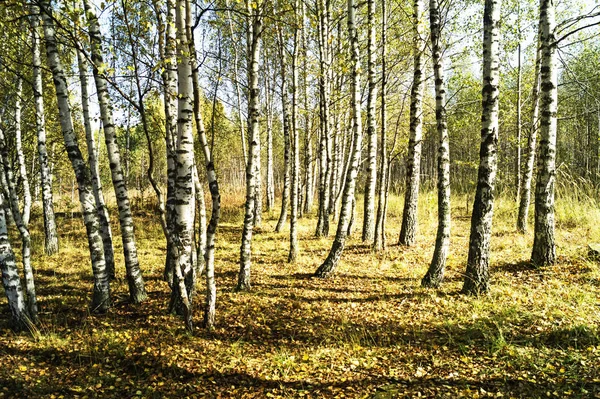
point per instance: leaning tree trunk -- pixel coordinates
(19, 319)
(525, 195)
(408, 231)
(50, 234)
(295, 142)
(435, 274)
(253, 40)
(379, 239)
(103, 216)
(339, 242)
(477, 275)
(544, 247)
(371, 180)
(21, 156)
(101, 294)
(13, 202)
(137, 292)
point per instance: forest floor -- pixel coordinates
(369, 331)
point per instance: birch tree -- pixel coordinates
(339, 242)
(371, 180)
(50, 234)
(19, 319)
(137, 292)
(26, 213)
(544, 246)
(476, 279)
(102, 209)
(295, 144)
(253, 42)
(525, 195)
(101, 292)
(413, 175)
(19, 219)
(435, 274)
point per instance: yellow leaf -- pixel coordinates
(23, 368)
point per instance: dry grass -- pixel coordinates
(370, 331)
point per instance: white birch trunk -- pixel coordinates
(50, 234)
(103, 215)
(253, 44)
(544, 246)
(137, 292)
(408, 231)
(339, 242)
(295, 144)
(10, 277)
(525, 195)
(13, 202)
(435, 274)
(476, 279)
(371, 180)
(26, 213)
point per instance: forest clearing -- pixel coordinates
(369, 331)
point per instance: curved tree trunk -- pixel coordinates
(103, 216)
(435, 274)
(408, 232)
(137, 292)
(476, 279)
(544, 246)
(339, 242)
(101, 294)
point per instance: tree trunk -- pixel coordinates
(339, 242)
(519, 123)
(308, 161)
(286, 138)
(408, 231)
(270, 184)
(294, 189)
(322, 229)
(435, 274)
(253, 41)
(183, 217)
(525, 195)
(371, 180)
(10, 277)
(137, 292)
(50, 234)
(13, 202)
(477, 276)
(211, 229)
(379, 227)
(20, 156)
(102, 210)
(544, 247)
(101, 294)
